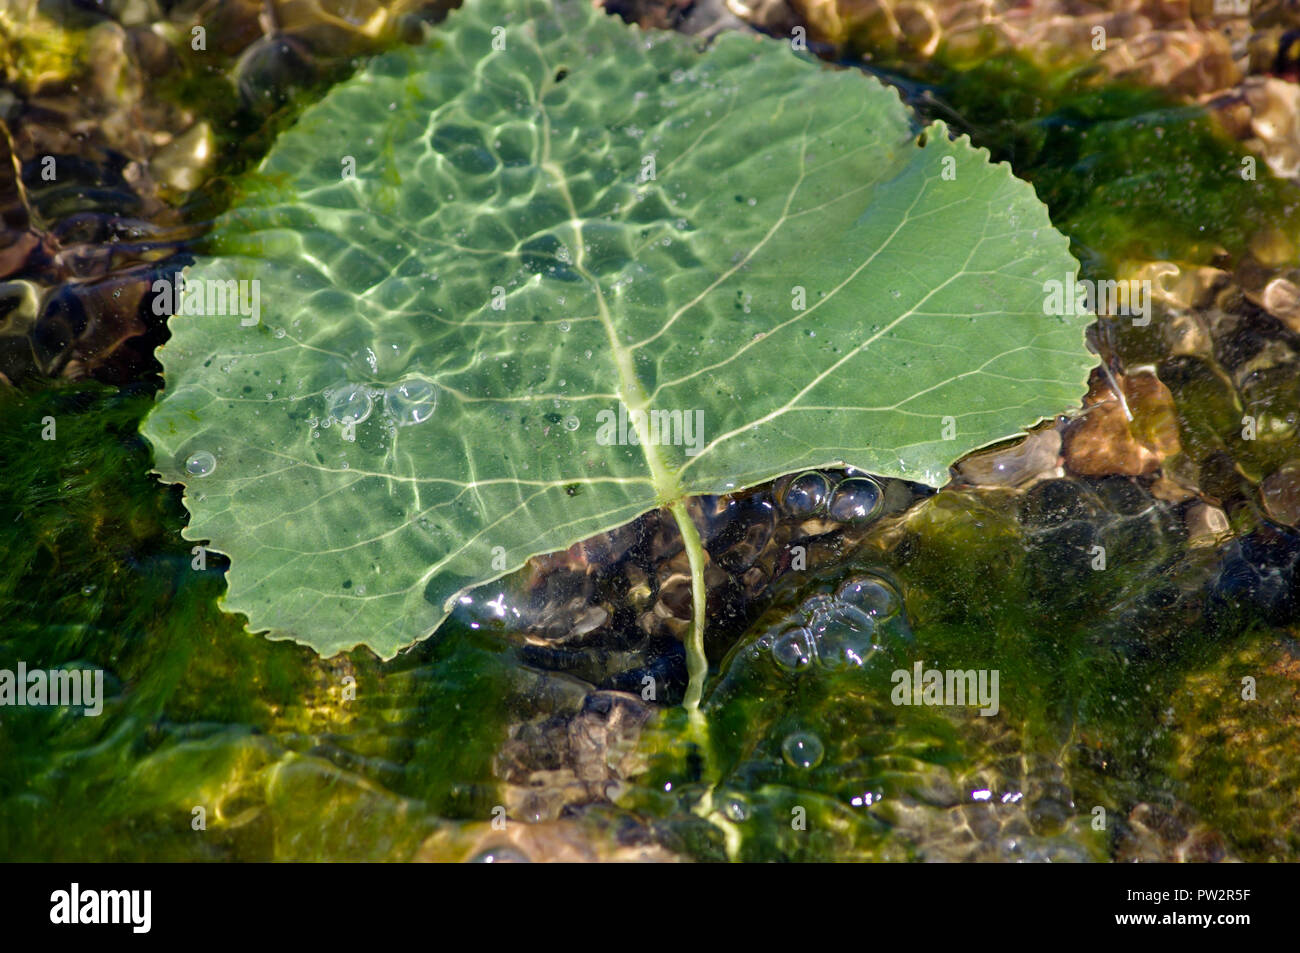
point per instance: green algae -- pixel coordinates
(1128, 173)
(1236, 755)
(1088, 659)
(197, 711)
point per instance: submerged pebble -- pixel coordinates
(1013, 465)
(1280, 492)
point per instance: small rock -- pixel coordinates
(1280, 493)
(1281, 299)
(1036, 455)
(1104, 441)
(182, 164)
(1205, 523)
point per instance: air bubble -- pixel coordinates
(806, 495)
(349, 401)
(571, 423)
(200, 464)
(856, 500)
(564, 325)
(735, 809)
(411, 402)
(792, 649)
(840, 634)
(501, 855)
(802, 749)
(873, 596)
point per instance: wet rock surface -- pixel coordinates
(118, 132)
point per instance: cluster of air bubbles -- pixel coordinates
(411, 400)
(200, 464)
(855, 499)
(845, 630)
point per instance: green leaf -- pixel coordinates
(645, 215)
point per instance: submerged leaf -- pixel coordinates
(582, 271)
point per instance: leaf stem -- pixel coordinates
(697, 664)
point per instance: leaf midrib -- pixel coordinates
(667, 482)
